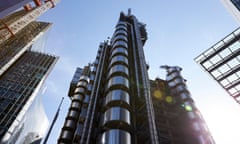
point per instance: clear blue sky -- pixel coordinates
(178, 31)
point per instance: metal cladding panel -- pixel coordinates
(117, 114)
(121, 27)
(222, 62)
(116, 136)
(118, 69)
(118, 81)
(119, 59)
(74, 81)
(71, 124)
(117, 95)
(120, 32)
(119, 50)
(120, 43)
(120, 37)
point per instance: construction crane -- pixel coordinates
(53, 122)
(9, 30)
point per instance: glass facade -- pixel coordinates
(18, 87)
(23, 69)
(236, 3)
(222, 62)
(34, 122)
(14, 47)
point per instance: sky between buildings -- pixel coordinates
(178, 31)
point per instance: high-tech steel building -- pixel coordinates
(114, 102)
(178, 121)
(23, 69)
(233, 6)
(222, 62)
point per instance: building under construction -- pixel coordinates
(113, 101)
(24, 66)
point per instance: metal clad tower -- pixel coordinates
(111, 100)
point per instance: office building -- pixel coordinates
(222, 62)
(178, 121)
(19, 87)
(24, 66)
(11, 24)
(233, 6)
(8, 6)
(113, 101)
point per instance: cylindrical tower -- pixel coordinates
(116, 116)
(117, 107)
(72, 119)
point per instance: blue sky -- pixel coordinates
(178, 31)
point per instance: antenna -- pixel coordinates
(129, 11)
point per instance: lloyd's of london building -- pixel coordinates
(113, 101)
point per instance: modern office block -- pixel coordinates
(8, 6)
(15, 46)
(178, 121)
(113, 100)
(222, 62)
(233, 6)
(19, 86)
(24, 66)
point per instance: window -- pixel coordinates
(236, 3)
(119, 59)
(118, 80)
(120, 50)
(119, 69)
(118, 95)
